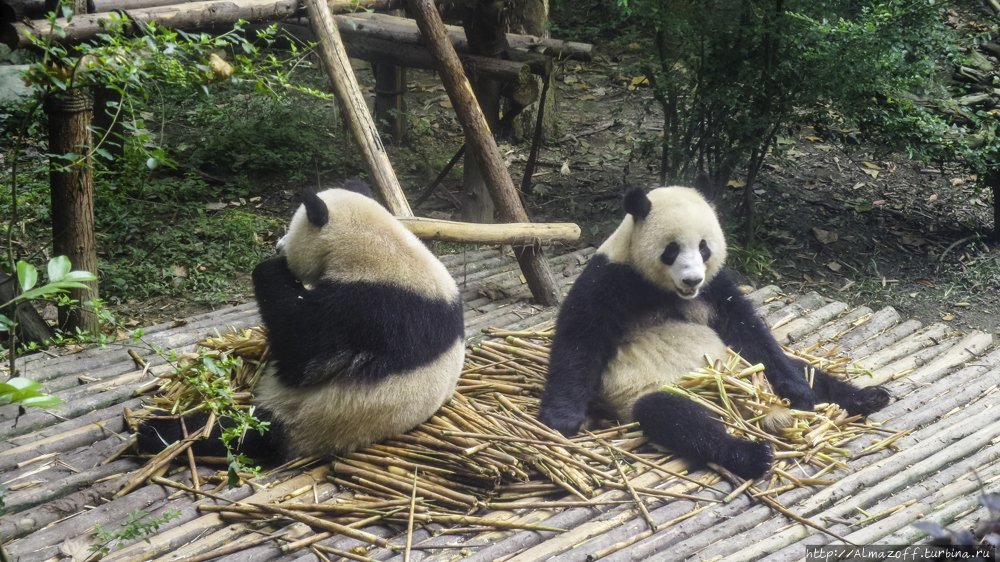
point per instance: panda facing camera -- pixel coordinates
(365, 330)
(652, 304)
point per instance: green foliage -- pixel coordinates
(61, 278)
(137, 526)
(729, 76)
(211, 376)
(587, 20)
(162, 240)
(25, 392)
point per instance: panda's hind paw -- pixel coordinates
(748, 459)
(867, 400)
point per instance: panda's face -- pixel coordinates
(676, 241)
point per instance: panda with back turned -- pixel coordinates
(365, 331)
(653, 302)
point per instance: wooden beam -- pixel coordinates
(352, 101)
(480, 142)
(406, 31)
(513, 233)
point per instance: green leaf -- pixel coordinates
(80, 275)
(43, 401)
(6, 324)
(59, 266)
(27, 275)
(22, 384)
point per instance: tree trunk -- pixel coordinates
(992, 181)
(72, 190)
(30, 325)
(481, 143)
(531, 17)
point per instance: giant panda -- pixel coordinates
(365, 331)
(651, 305)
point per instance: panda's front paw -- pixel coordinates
(867, 401)
(797, 391)
(562, 420)
(748, 459)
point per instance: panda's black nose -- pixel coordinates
(692, 281)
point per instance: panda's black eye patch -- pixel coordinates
(706, 252)
(670, 253)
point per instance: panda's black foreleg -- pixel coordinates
(854, 399)
(694, 433)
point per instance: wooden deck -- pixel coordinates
(944, 384)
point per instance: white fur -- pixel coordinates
(343, 416)
(678, 214)
(362, 242)
(656, 356)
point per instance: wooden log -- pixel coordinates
(516, 234)
(187, 15)
(406, 31)
(352, 101)
(480, 141)
(385, 51)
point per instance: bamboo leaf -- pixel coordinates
(58, 267)
(27, 275)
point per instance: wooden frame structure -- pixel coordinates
(429, 43)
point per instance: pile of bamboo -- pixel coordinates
(486, 449)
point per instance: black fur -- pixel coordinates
(637, 204)
(736, 322)
(360, 187)
(609, 299)
(692, 432)
(156, 434)
(316, 210)
(362, 331)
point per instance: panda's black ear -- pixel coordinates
(316, 210)
(359, 186)
(637, 204)
(703, 185)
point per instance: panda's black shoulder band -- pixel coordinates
(316, 209)
(637, 204)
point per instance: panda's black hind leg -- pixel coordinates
(154, 435)
(692, 432)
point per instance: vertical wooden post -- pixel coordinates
(480, 142)
(345, 87)
(390, 100)
(484, 29)
(390, 103)
(72, 193)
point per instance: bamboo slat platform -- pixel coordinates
(60, 483)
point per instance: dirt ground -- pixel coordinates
(852, 224)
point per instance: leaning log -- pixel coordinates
(512, 233)
(480, 141)
(352, 101)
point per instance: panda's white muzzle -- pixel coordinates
(688, 273)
